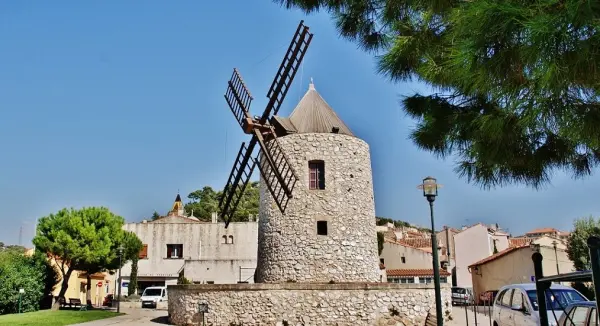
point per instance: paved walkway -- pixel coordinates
(460, 318)
(133, 317)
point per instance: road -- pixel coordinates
(133, 317)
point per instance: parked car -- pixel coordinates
(517, 304)
(153, 295)
(582, 313)
(461, 296)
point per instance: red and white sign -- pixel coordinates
(100, 284)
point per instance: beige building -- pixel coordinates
(399, 255)
(448, 251)
(473, 244)
(411, 276)
(514, 265)
(548, 232)
(204, 252)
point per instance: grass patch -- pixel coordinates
(55, 318)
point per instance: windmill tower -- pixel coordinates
(317, 212)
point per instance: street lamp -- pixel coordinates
(21, 291)
(430, 191)
(120, 250)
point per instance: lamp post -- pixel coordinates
(554, 243)
(120, 249)
(21, 291)
(430, 191)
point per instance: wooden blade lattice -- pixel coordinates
(287, 70)
(238, 98)
(277, 172)
(238, 180)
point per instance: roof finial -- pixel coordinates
(311, 86)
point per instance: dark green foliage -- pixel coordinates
(206, 201)
(182, 280)
(577, 248)
(155, 216)
(380, 241)
(132, 288)
(86, 239)
(586, 289)
(516, 81)
(20, 272)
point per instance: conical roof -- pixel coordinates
(314, 115)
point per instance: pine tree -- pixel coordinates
(517, 91)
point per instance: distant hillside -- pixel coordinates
(399, 224)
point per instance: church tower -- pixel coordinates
(177, 209)
(328, 230)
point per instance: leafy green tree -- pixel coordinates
(20, 272)
(83, 239)
(205, 201)
(516, 82)
(155, 216)
(133, 245)
(577, 248)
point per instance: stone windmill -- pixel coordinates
(317, 212)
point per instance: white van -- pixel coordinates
(153, 295)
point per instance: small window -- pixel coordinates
(403, 260)
(224, 241)
(231, 239)
(322, 227)
(144, 252)
(382, 261)
(443, 280)
(316, 175)
(210, 282)
(174, 251)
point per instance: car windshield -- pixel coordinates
(459, 290)
(556, 299)
(152, 292)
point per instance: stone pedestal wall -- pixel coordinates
(306, 304)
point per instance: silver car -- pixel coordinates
(517, 304)
(582, 313)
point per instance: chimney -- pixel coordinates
(213, 216)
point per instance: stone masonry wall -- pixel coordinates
(306, 304)
(289, 248)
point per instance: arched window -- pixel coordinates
(316, 174)
(231, 239)
(224, 239)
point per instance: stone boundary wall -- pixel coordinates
(338, 304)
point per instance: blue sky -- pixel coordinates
(121, 104)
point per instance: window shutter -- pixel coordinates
(144, 252)
(169, 251)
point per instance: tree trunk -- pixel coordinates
(63, 289)
(88, 290)
(131, 290)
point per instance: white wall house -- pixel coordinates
(205, 252)
(474, 244)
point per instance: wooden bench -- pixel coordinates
(430, 320)
(77, 302)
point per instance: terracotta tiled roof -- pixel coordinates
(496, 256)
(414, 272)
(417, 242)
(542, 230)
(404, 244)
(518, 242)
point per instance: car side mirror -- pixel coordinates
(518, 307)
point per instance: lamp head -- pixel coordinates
(430, 188)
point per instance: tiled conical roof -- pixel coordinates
(314, 115)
